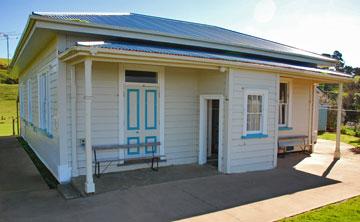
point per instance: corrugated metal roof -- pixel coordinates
(197, 53)
(179, 28)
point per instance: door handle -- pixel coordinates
(137, 131)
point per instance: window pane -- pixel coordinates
(283, 92)
(249, 104)
(254, 112)
(283, 112)
(259, 104)
(280, 114)
(253, 122)
(283, 103)
(140, 76)
(254, 104)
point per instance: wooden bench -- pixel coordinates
(153, 156)
(291, 140)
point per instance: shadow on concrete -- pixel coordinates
(17, 171)
(226, 191)
(329, 168)
(186, 192)
(187, 197)
(145, 177)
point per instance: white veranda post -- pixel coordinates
(89, 184)
(338, 122)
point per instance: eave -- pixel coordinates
(77, 54)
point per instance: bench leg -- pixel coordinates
(157, 164)
(95, 166)
(98, 169)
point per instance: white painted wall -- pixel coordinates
(46, 148)
(250, 154)
(301, 96)
(211, 82)
(182, 90)
(300, 108)
(105, 108)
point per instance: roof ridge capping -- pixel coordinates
(81, 13)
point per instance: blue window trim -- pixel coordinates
(137, 111)
(45, 133)
(283, 128)
(146, 109)
(137, 149)
(254, 136)
(152, 150)
(37, 129)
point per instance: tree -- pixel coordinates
(351, 96)
(338, 56)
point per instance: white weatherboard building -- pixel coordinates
(187, 92)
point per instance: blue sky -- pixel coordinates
(319, 26)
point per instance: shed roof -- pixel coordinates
(181, 29)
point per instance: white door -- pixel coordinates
(142, 119)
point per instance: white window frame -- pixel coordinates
(29, 101)
(288, 122)
(46, 125)
(265, 95)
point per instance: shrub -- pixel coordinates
(348, 130)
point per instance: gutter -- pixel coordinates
(214, 63)
(160, 34)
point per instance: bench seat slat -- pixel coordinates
(128, 158)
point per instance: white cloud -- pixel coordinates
(320, 33)
(323, 35)
(264, 11)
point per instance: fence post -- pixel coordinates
(13, 125)
(17, 115)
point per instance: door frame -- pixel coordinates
(122, 93)
(203, 124)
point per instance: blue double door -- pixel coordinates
(142, 119)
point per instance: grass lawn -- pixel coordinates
(352, 140)
(8, 94)
(4, 75)
(348, 211)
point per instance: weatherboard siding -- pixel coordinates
(181, 115)
(258, 153)
(182, 90)
(105, 122)
(46, 147)
(300, 108)
(301, 97)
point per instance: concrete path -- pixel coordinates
(18, 172)
(296, 185)
(321, 163)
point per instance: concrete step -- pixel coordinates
(68, 192)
